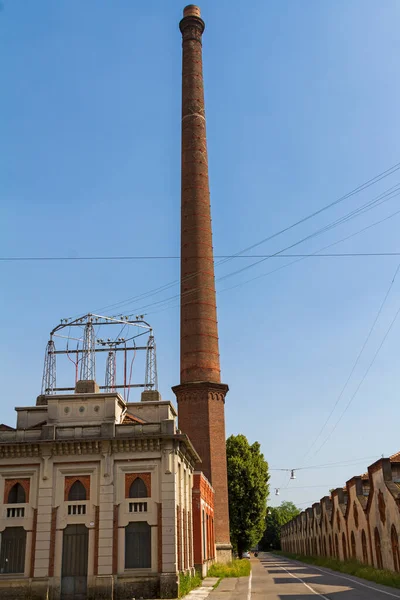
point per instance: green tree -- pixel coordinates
(248, 491)
(276, 517)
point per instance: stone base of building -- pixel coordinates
(202, 568)
(224, 553)
(169, 585)
(122, 587)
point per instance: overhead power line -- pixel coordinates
(354, 366)
(346, 463)
(100, 258)
(178, 296)
(355, 191)
(361, 382)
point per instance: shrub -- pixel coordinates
(188, 583)
(350, 567)
(236, 568)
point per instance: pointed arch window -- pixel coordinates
(77, 492)
(378, 551)
(395, 548)
(337, 546)
(344, 547)
(353, 545)
(138, 489)
(330, 546)
(16, 495)
(364, 547)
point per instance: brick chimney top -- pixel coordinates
(191, 11)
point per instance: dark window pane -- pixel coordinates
(12, 551)
(138, 546)
(138, 489)
(16, 494)
(77, 492)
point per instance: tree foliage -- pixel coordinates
(248, 491)
(276, 517)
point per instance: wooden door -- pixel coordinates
(74, 562)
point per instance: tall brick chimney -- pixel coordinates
(200, 395)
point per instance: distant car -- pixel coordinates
(246, 555)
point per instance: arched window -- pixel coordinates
(77, 491)
(378, 552)
(330, 546)
(353, 546)
(138, 545)
(395, 548)
(364, 547)
(344, 547)
(16, 495)
(337, 546)
(12, 550)
(138, 489)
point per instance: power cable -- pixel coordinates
(356, 361)
(294, 261)
(358, 189)
(171, 298)
(361, 382)
(100, 258)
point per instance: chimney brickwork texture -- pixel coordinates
(200, 395)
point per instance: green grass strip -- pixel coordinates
(236, 568)
(188, 583)
(350, 567)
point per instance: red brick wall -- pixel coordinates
(33, 545)
(201, 409)
(203, 499)
(52, 540)
(115, 541)
(96, 540)
(159, 536)
(179, 536)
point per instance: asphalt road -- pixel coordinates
(275, 577)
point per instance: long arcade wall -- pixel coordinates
(360, 521)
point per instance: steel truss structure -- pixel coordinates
(83, 333)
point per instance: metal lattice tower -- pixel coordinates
(110, 371)
(88, 365)
(151, 382)
(49, 370)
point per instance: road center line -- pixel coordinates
(306, 584)
(355, 582)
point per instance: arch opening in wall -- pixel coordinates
(330, 546)
(337, 547)
(378, 550)
(138, 489)
(344, 547)
(16, 495)
(77, 492)
(353, 546)
(364, 547)
(324, 545)
(395, 548)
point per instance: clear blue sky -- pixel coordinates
(302, 104)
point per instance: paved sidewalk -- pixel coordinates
(235, 588)
(203, 591)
